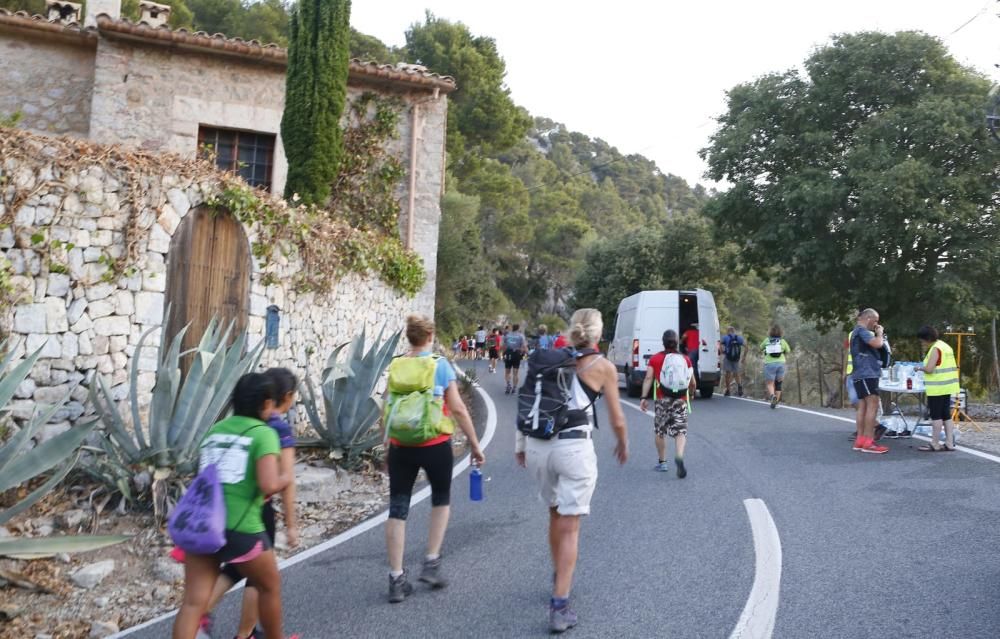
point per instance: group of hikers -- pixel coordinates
(554, 442)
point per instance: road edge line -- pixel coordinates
(357, 529)
(760, 612)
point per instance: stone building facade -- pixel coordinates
(146, 87)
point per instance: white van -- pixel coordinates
(642, 318)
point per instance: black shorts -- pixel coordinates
(480, 345)
(494, 354)
(939, 407)
(404, 462)
(242, 543)
(867, 387)
(512, 359)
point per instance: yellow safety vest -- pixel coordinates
(944, 379)
(850, 359)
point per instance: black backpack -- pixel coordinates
(734, 348)
(542, 402)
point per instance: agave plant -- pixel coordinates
(347, 388)
(181, 411)
(19, 465)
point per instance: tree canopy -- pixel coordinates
(869, 180)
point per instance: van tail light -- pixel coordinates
(635, 353)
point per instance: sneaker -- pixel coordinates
(905, 434)
(880, 430)
(891, 434)
(859, 443)
(430, 574)
(205, 627)
(399, 588)
(562, 619)
(507, 390)
(739, 391)
(726, 394)
(662, 467)
(874, 448)
(774, 401)
(681, 471)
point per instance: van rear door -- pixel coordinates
(708, 325)
(653, 321)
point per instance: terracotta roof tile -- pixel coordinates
(42, 23)
(413, 76)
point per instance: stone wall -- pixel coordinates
(87, 325)
(49, 81)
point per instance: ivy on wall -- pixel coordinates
(358, 233)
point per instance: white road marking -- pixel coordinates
(961, 449)
(761, 609)
(365, 526)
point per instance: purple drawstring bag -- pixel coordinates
(198, 523)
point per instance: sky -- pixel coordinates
(650, 77)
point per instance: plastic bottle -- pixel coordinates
(476, 483)
(909, 383)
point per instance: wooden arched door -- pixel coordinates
(208, 274)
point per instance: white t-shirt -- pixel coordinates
(480, 336)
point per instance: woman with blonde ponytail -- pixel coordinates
(565, 465)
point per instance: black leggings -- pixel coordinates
(405, 462)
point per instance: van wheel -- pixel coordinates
(632, 390)
(706, 391)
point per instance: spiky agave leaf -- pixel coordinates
(44, 456)
(38, 548)
(41, 491)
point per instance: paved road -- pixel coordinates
(899, 545)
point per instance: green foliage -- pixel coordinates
(683, 255)
(481, 114)
(350, 408)
(463, 271)
(370, 49)
(315, 93)
(41, 547)
(12, 120)
(180, 412)
(18, 464)
(869, 181)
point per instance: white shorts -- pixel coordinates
(566, 471)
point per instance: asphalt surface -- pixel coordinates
(896, 545)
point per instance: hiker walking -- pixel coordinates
(733, 354)
(245, 451)
(556, 420)
(671, 376)
(515, 347)
(422, 398)
(774, 348)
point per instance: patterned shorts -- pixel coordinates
(670, 418)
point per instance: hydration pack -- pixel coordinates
(543, 400)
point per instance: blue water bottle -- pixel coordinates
(476, 483)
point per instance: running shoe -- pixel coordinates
(662, 467)
(399, 588)
(430, 574)
(726, 394)
(859, 444)
(875, 449)
(774, 401)
(681, 471)
(739, 391)
(562, 619)
(880, 431)
(205, 627)
(905, 434)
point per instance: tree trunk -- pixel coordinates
(798, 378)
(819, 370)
(996, 360)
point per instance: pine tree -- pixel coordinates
(315, 92)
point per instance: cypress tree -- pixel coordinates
(315, 92)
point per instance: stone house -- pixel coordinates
(147, 87)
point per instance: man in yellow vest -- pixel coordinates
(941, 383)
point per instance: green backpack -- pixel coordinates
(413, 415)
